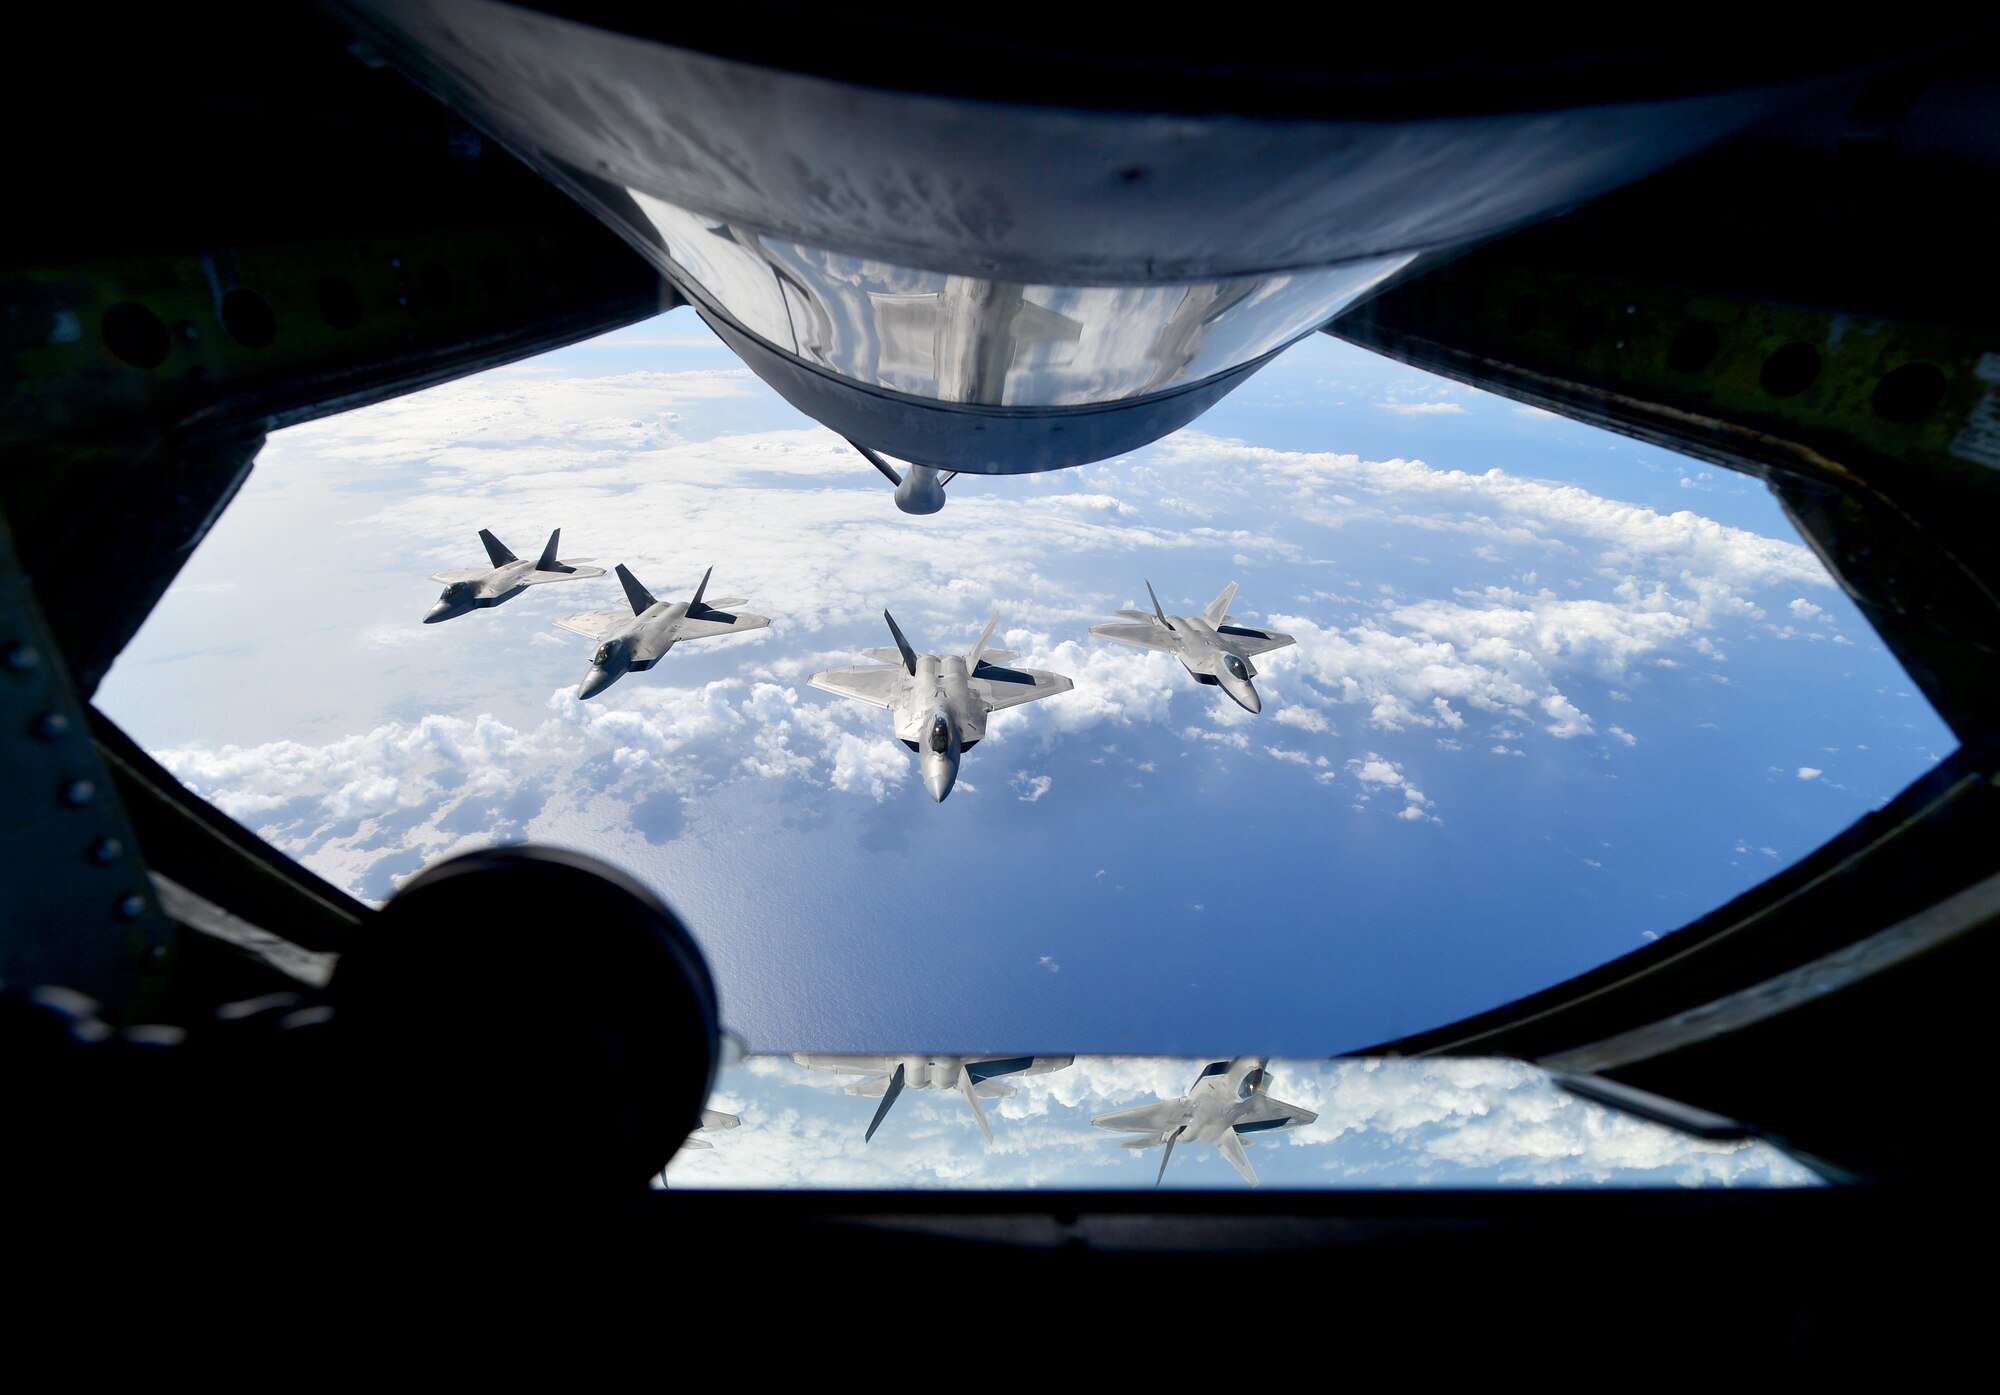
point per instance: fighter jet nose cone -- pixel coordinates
(1250, 700)
(440, 611)
(939, 776)
(596, 683)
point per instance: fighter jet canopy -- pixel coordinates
(981, 264)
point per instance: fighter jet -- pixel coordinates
(507, 578)
(1211, 645)
(971, 1076)
(1227, 1100)
(941, 703)
(712, 1121)
(635, 642)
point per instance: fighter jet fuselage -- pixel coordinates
(634, 648)
(940, 719)
(500, 584)
(1205, 655)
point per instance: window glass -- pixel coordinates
(1374, 1124)
(1553, 695)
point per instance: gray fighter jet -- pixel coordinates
(941, 704)
(972, 1076)
(636, 641)
(1211, 645)
(1228, 1100)
(712, 1121)
(507, 578)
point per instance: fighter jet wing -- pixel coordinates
(1146, 636)
(1157, 1117)
(469, 574)
(879, 684)
(711, 623)
(1246, 643)
(1267, 1114)
(1010, 687)
(848, 1065)
(595, 624)
(577, 573)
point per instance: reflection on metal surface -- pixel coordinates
(1350, 1123)
(966, 339)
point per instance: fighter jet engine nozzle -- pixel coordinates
(1253, 1081)
(921, 492)
(940, 756)
(608, 663)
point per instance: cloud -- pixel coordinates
(1032, 787)
(873, 767)
(1304, 718)
(1374, 773)
(369, 809)
(1810, 772)
(1422, 409)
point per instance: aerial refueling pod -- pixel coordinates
(929, 252)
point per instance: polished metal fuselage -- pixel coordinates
(939, 691)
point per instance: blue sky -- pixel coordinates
(1555, 693)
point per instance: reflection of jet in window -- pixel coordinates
(1211, 645)
(941, 703)
(972, 1076)
(481, 587)
(1228, 1101)
(635, 641)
